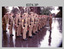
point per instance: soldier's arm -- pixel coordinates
(9, 20)
(23, 23)
(9, 23)
(29, 22)
(37, 20)
(20, 21)
(50, 19)
(16, 22)
(3, 21)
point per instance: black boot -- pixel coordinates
(11, 35)
(25, 39)
(34, 33)
(19, 36)
(50, 30)
(5, 31)
(38, 30)
(30, 36)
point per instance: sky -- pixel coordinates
(55, 10)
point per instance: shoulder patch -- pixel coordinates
(22, 20)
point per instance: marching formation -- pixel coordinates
(30, 23)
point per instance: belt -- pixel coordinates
(24, 25)
(31, 21)
(18, 24)
(30, 24)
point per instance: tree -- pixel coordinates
(59, 14)
(46, 10)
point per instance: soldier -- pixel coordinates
(10, 22)
(50, 22)
(28, 22)
(18, 24)
(40, 22)
(5, 21)
(39, 25)
(32, 24)
(24, 25)
(36, 23)
(29, 26)
(43, 20)
(4, 24)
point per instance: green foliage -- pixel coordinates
(46, 10)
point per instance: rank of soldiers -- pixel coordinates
(30, 23)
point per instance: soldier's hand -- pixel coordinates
(20, 24)
(9, 26)
(29, 25)
(16, 25)
(3, 23)
(23, 27)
